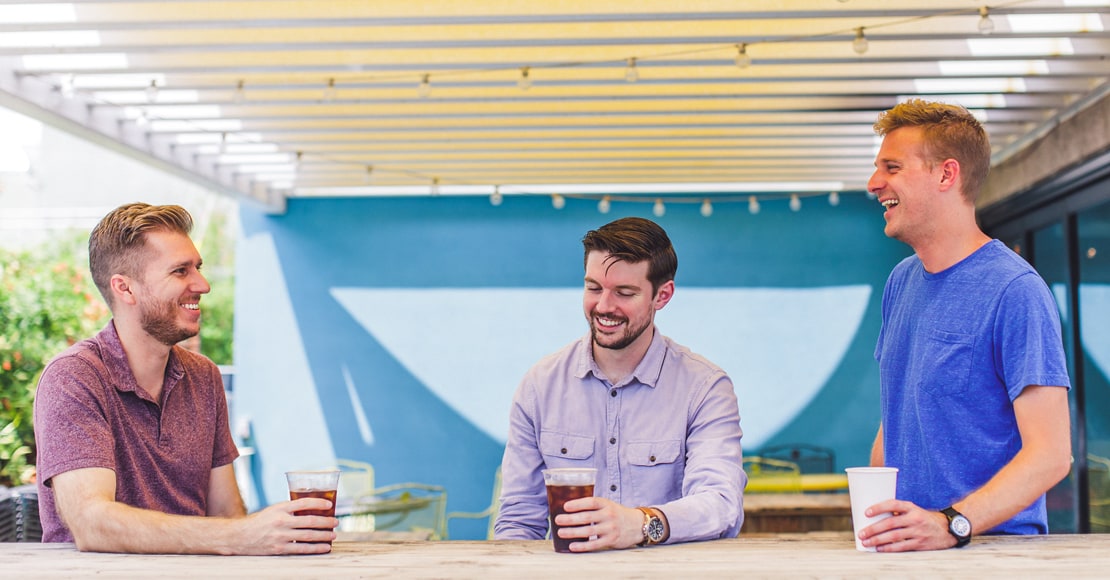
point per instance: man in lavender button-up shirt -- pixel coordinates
(660, 423)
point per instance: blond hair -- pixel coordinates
(117, 244)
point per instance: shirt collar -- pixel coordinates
(119, 370)
(646, 373)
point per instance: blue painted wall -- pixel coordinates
(394, 331)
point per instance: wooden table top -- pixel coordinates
(811, 555)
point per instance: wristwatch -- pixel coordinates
(654, 529)
(958, 526)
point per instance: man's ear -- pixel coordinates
(949, 174)
(121, 289)
(664, 294)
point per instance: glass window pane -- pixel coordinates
(1050, 257)
(1094, 314)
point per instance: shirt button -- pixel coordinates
(563, 451)
(613, 393)
(612, 441)
(651, 459)
(612, 488)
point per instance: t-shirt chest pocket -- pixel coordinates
(950, 355)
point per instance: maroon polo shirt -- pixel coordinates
(90, 412)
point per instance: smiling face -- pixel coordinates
(167, 292)
(906, 185)
(619, 303)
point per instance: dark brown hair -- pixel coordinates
(634, 240)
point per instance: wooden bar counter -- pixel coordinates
(823, 555)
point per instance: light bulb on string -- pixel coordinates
(603, 205)
(425, 88)
(743, 59)
(525, 81)
(558, 201)
(366, 177)
(152, 91)
(834, 198)
(240, 95)
(223, 143)
(330, 91)
(706, 208)
(795, 202)
(297, 161)
(435, 186)
(631, 74)
(753, 205)
(986, 25)
(142, 120)
(495, 198)
(658, 209)
(860, 44)
(67, 89)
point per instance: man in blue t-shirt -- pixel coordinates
(974, 379)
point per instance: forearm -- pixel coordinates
(1028, 476)
(703, 516)
(109, 526)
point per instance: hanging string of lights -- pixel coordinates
(525, 80)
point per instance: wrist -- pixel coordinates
(655, 529)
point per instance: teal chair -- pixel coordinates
(490, 512)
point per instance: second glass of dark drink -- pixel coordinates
(322, 484)
(563, 485)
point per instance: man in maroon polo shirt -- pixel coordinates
(134, 450)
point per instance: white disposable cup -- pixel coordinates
(868, 486)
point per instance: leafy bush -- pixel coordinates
(47, 302)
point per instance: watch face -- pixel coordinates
(960, 526)
(655, 529)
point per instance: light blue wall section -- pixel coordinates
(394, 331)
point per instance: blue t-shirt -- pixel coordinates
(956, 348)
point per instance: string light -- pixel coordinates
(425, 88)
(706, 208)
(152, 91)
(795, 202)
(240, 95)
(495, 198)
(743, 59)
(435, 186)
(223, 143)
(142, 120)
(366, 177)
(860, 43)
(330, 92)
(658, 209)
(558, 201)
(753, 205)
(66, 87)
(986, 25)
(297, 161)
(603, 205)
(525, 81)
(630, 73)
(834, 198)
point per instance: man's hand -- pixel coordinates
(610, 524)
(910, 528)
(275, 530)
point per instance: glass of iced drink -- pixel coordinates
(563, 485)
(322, 484)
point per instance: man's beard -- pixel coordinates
(630, 335)
(159, 320)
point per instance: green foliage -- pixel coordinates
(47, 302)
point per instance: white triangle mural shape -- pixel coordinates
(471, 346)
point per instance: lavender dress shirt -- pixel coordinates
(668, 436)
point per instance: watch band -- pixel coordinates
(647, 522)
